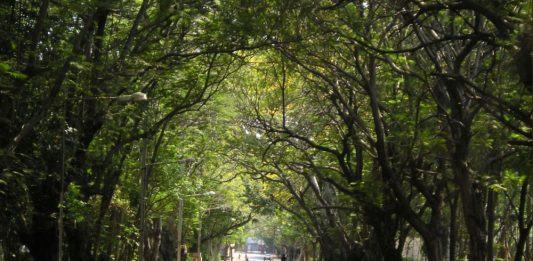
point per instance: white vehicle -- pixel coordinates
(267, 257)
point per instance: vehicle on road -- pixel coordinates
(267, 257)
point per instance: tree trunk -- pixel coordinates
(153, 240)
(453, 227)
(470, 193)
(384, 233)
(168, 242)
(472, 209)
(78, 242)
(524, 226)
(493, 168)
(435, 249)
(492, 200)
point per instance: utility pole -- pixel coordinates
(142, 207)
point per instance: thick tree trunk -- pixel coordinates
(470, 193)
(330, 250)
(436, 246)
(472, 207)
(520, 245)
(78, 242)
(435, 249)
(168, 243)
(384, 235)
(43, 237)
(453, 227)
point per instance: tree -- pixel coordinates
(63, 63)
(363, 125)
(363, 66)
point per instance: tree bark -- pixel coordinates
(453, 227)
(524, 226)
(471, 197)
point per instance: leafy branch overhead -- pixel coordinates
(327, 129)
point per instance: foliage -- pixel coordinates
(351, 126)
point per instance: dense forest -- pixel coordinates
(336, 129)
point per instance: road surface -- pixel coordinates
(252, 256)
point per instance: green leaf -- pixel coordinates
(78, 66)
(4, 67)
(18, 75)
(497, 187)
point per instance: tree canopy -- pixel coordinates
(332, 129)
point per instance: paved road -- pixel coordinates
(251, 256)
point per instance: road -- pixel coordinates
(251, 256)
